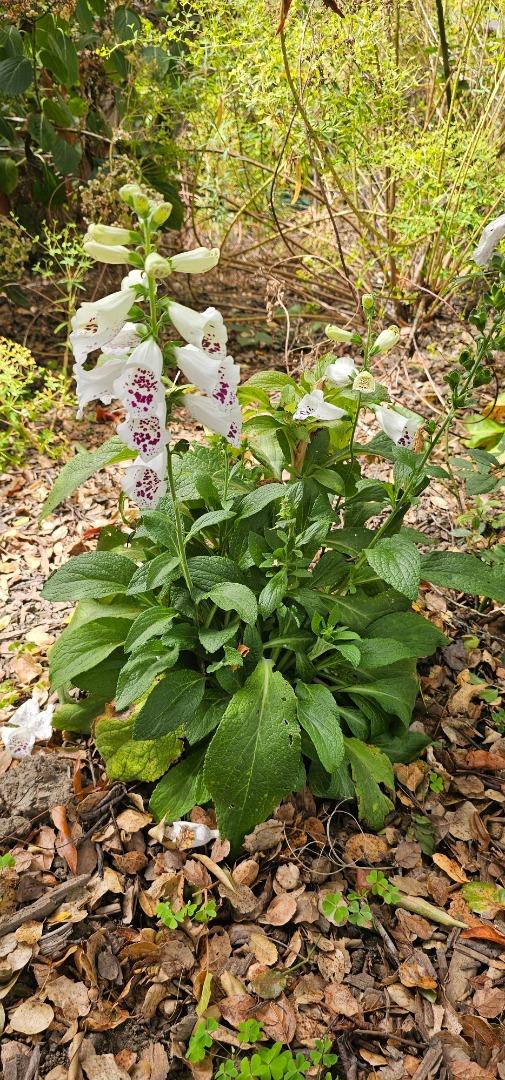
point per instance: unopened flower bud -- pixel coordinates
(156, 266)
(115, 254)
(368, 304)
(141, 204)
(197, 261)
(386, 340)
(127, 193)
(161, 213)
(335, 333)
(364, 383)
(110, 234)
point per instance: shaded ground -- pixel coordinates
(94, 986)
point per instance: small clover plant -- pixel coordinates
(193, 910)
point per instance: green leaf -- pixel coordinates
(16, 75)
(370, 767)
(253, 760)
(206, 717)
(231, 596)
(80, 468)
(129, 759)
(273, 593)
(397, 561)
(170, 705)
(159, 527)
(465, 573)
(273, 381)
(181, 788)
(414, 631)
(79, 649)
(214, 517)
(60, 57)
(318, 716)
(209, 570)
(126, 23)
(140, 671)
(395, 693)
(9, 175)
(212, 639)
(329, 479)
(79, 715)
(381, 652)
(260, 498)
(150, 623)
(89, 576)
(153, 573)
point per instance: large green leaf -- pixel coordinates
(129, 759)
(77, 715)
(395, 693)
(83, 647)
(209, 570)
(318, 715)
(273, 593)
(232, 596)
(414, 631)
(370, 767)
(396, 561)
(170, 705)
(16, 75)
(140, 671)
(181, 788)
(465, 573)
(253, 760)
(150, 623)
(89, 576)
(80, 468)
(260, 498)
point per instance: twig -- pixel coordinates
(44, 906)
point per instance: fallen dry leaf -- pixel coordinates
(450, 867)
(264, 950)
(31, 1017)
(280, 911)
(418, 971)
(365, 847)
(341, 1001)
(489, 1002)
(278, 1019)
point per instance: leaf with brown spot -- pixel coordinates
(450, 867)
(418, 971)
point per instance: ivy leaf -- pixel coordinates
(132, 759)
(170, 705)
(318, 716)
(370, 767)
(89, 576)
(397, 561)
(254, 758)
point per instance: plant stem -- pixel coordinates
(178, 524)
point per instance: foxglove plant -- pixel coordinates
(255, 628)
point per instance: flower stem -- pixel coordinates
(179, 531)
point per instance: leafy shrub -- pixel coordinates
(254, 622)
(26, 394)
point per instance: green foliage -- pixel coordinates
(27, 394)
(202, 913)
(6, 861)
(274, 1063)
(201, 1039)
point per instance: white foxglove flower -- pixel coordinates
(28, 725)
(97, 322)
(145, 484)
(491, 236)
(148, 435)
(191, 834)
(205, 329)
(314, 407)
(213, 416)
(400, 429)
(110, 234)
(217, 378)
(341, 371)
(97, 383)
(197, 261)
(113, 254)
(123, 343)
(139, 387)
(364, 383)
(386, 340)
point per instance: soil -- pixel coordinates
(30, 790)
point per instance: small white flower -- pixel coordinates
(148, 435)
(97, 383)
(139, 387)
(96, 323)
(114, 254)
(491, 236)
(145, 484)
(218, 378)
(213, 416)
(400, 429)
(28, 725)
(197, 261)
(110, 234)
(191, 834)
(125, 341)
(385, 341)
(364, 383)
(341, 371)
(205, 329)
(313, 406)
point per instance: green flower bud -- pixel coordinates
(161, 213)
(141, 204)
(386, 340)
(368, 304)
(127, 193)
(364, 383)
(156, 266)
(335, 333)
